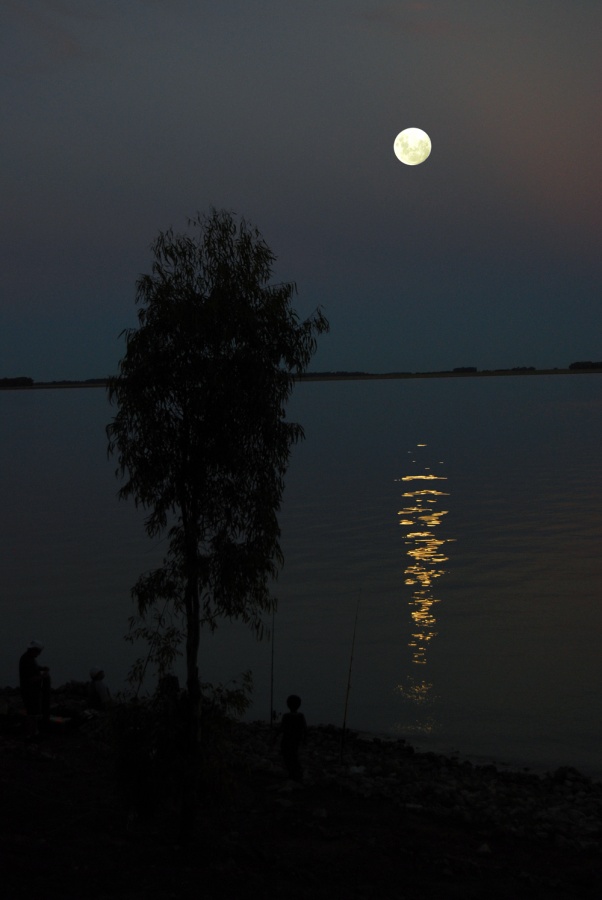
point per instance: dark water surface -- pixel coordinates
(461, 519)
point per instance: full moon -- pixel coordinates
(412, 146)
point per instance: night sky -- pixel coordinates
(120, 119)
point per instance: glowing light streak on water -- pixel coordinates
(424, 550)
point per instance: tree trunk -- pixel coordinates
(190, 781)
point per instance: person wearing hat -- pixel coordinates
(34, 682)
(99, 692)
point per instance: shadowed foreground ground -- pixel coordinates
(385, 823)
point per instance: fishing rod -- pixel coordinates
(357, 609)
(154, 639)
(272, 669)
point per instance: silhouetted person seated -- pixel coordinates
(293, 729)
(34, 682)
(99, 695)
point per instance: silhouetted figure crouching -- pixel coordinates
(293, 729)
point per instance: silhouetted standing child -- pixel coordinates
(293, 728)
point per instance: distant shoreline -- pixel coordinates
(335, 376)
(485, 373)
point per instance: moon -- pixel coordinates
(412, 146)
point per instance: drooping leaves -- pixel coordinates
(200, 434)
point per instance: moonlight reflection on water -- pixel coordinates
(421, 519)
(504, 663)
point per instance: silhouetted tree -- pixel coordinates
(201, 433)
(585, 364)
(20, 382)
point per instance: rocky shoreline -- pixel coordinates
(372, 818)
(564, 806)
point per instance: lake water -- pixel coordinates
(460, 520)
